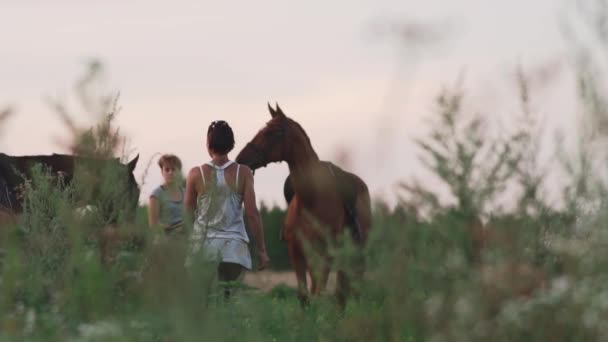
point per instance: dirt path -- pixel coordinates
(267, 280)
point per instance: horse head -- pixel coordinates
(107, 185)
(274, 142)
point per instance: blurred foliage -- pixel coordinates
(494, 259)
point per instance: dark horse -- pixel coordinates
(323, 201)
(15, 170)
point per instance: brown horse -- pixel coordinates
(316, 215)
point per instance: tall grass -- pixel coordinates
(470, 267)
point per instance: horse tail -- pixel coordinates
(288, 191)
(364, 210)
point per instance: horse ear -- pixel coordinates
(280, 111)
(133, 163)
(273, 112)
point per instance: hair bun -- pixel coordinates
(220, 136)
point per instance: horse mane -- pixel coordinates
(303, 132)
(305, 135)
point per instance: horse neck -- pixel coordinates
(60, 162)
(302, 163)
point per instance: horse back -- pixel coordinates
(355, 195)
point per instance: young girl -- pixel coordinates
(166, 204)
(218, 191)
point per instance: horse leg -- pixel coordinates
(298, 263)
(342, 289)
(364, 218)
(318, 269)
(314, 284)
(323, 277)
(364, 212)
(282, 234)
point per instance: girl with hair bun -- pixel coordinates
(220, 196)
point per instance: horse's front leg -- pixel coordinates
(313, 280)
(342, 289)
(298, 262)
(320, 276)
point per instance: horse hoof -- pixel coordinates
(304, 301)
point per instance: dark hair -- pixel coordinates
(170, 160)
(220, 137)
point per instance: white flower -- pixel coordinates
(99, 329)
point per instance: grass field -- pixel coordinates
(469, 266)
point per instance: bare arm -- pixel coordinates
(252, 215)
(153, 212)
(190, 195)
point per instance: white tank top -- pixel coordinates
(219, 211)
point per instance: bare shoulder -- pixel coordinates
(194, 172)
(194, 175)
(246, 170)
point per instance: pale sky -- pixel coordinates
(336, 67)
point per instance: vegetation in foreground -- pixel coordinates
(475, 265)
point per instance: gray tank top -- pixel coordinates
(171, 212)
(219, 211)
